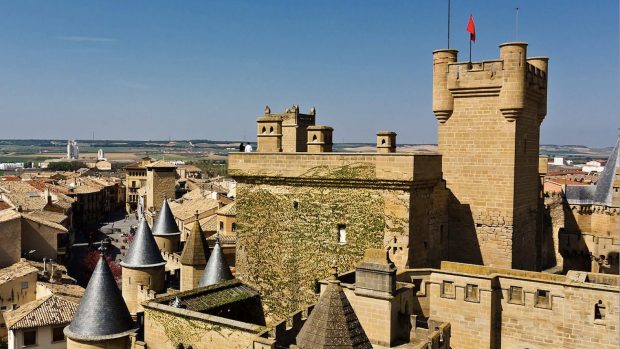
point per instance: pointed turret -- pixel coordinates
(102, 314)
(143, 251)
(194, 257)
(217, 269)
(333, 323)
(165, 229)
(143, 267)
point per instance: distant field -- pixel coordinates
(204, 150)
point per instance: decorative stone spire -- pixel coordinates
(333, 323)
(102, 313)
(217, 269)
(165, 223)
(196, 250)
(143, 251)
(267, 110)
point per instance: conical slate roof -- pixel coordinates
(602, 192)
(102, 312)
(165, 223)
(196, 250)
(143, 251)
(333, 323)
(605, 185)
(217, 269)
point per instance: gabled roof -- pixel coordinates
(160, 164)
(602, 192)
(165, 223)
(332, 323)
(46, 311)
(143, 251)
(16, 270)
(102, 313)
(228, 210)
(217, 270)
(196, 250)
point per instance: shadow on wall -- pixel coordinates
(464, 246)
(573, 248)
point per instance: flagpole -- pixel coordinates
(448, 23)
(517, 24)
(470, 51)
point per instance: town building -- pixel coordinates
(40, 323)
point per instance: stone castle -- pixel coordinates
(436, 250)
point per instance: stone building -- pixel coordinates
(160, 183)
(40, 323)
(143, 267)
(489, 117)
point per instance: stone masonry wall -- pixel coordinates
(290, 208)
(511, 314)
(165, 331)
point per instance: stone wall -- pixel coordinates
(159, 182)
(165, 330)
(152, 278)
(291, 207)
(517, 309)
(10, 241)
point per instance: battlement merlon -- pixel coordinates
(513, 78)
(404, 170)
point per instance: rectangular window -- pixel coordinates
(543, 299)
(472, 293)
(24, 285)
(342, 234)
(221, 226)
(447, 289)
(57, 334)
(515, 295)
(30, 337)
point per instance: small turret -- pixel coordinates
(194, 257)
(102, 318)
(165, 229)
(143, 265)
(217, 269)
(333, 322)
(320, 139)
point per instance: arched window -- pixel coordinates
(314, 139)
(271, 129)
(264, 129)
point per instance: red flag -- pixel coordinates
(471, 29)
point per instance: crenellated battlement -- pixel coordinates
(514, 78)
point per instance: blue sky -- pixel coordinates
(205, 69)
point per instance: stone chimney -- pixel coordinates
(375, 275)
(320, 139)
(386, 142)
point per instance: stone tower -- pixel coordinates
(194, 257)
(285, 132)
(165, 229)
(160, 183)
(143, 266)
(102, 319)
(489, 117)
(217, 269)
